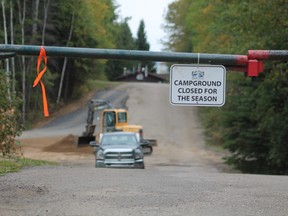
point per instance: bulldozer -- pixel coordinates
(111, 120)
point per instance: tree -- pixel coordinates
(260, 146)
(252, 123)
(9, 114)
(12, 42)
(141, 40)
(92, 28)
(7, 69)
(22, 16)
(48, 23)
(46, 9)
(142, 44)
(123, 40)
(65, 60)
(179, 27)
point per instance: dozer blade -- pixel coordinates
(85, 140)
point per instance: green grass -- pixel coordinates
(100, 85)
(16, 164)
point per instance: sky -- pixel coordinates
(152, 12)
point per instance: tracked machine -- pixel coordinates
(111, 120)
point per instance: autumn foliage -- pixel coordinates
(9, 120)
(252, 125)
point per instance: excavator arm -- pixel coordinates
(88, 134)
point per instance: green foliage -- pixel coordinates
(16, 164)
(272, 115)
(9, 114)
(240, 131)
(92, 23)
(142, 44)
(251, 125)
(254, 122)
(141, 40)
(123, 40)
(8, 166)
(178, 27)
(93, 27)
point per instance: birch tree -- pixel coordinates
(33, 41)
(6, 42)
(22, 15)
(46, 8)
(12, 42)
(65, 60)
(35, 22)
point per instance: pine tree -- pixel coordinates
(142, 44)
(123, 40)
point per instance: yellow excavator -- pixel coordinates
(111, 120)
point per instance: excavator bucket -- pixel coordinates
(87, 136)
(85, 140)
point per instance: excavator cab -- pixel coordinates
(112, 119)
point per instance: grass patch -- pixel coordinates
(91, 86)
(16, 164)
(99, 85)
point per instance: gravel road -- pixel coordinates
(182, 177)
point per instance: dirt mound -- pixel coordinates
(67, 144)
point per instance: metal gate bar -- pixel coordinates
(249, 63)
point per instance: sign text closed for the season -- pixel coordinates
(197, 85)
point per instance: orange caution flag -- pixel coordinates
(38, 79)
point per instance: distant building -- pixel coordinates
(162, 68)
(142, 77)
(142, 74)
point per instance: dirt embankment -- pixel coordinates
(57, 148)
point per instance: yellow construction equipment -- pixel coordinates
(111, 120)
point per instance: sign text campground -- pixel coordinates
(197, 85)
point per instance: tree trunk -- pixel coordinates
(7, 70)
(22, 13)
(46, 8)
(65, 60)
(33, 41)
(12, 42)
(35, 23)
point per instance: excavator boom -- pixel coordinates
(88, 134)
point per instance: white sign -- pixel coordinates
(197, 85)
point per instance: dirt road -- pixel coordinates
(182, 177)
(177, 129)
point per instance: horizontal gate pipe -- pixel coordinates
(268, 54)
(180, 57)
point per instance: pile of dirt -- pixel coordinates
(68, 144)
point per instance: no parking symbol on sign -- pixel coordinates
(197, 85)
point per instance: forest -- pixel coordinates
(78, 23)
(251, 125)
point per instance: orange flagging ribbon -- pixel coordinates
(38, 79)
